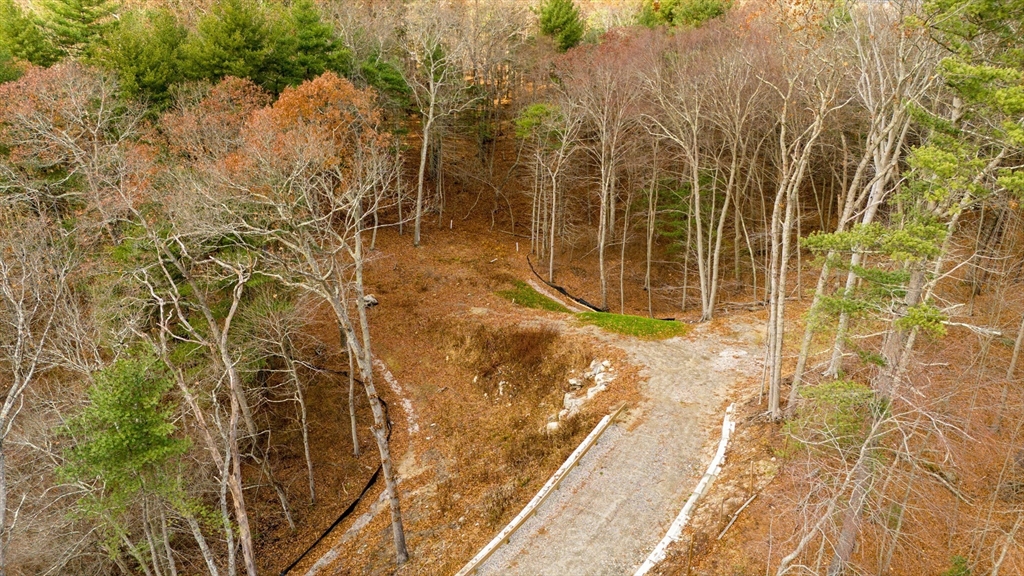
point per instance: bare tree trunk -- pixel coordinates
(554, 213)
(171, 565)
(851, 520)
(422, 173)
(602, 232)
(303, 420)
(380, 424)
(695, 196)
(147, 523)
(1010, 369)
(652, 207)
(204, 548)
(3, 505)
(686, 259)
(236, 487)
(282, 497)
(352, 403)
(229, 532)
(135, 554)
(622, 254)
(1016, 352)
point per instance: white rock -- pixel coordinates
(552, 426)
(594, 390)
(370, 300)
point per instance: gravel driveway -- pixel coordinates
(612, 509)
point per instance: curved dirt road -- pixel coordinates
(612, 510)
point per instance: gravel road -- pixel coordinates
(612, 509)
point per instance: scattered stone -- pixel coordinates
(600, 372)
(552, 427)
(370, 300)
(572, 403)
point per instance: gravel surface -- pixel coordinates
(615, 506)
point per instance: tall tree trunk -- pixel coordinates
(851, 519)
(352, 403)
(147, 523)
(300, 399)
(422, 173)
(652, 207)
(237, 496)
(171, 564)
(3, 500)
(554, 220)
(885, 382)
(380, 424)
(602, 228)
(622, 254)
(204, 548)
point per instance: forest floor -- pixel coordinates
(484, 376)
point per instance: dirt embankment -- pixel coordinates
(616, 506)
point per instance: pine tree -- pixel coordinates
(690, 13)
(387, 78)
(233, 39)
(316, 48)
(561, 20)
(124, 445)
(145, 51)
(9, 69)
(124, 436)
(76, 25)
(21, 37)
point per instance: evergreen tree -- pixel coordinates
(234, 39)
(985, 67)
(9, 69)
(145, 51)
(21, 37)
(387, 78)
(561, 20)
(124, 436)
(315, 47)
(124, 446)
(76, 25)
(690, 13)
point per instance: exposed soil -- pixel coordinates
(617, 504)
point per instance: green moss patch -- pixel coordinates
(636, 326)
(524, 295)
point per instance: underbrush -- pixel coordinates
(636, 326)
(519, 375)
(526, 448)
(520, 363)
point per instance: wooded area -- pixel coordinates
(186, 189)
